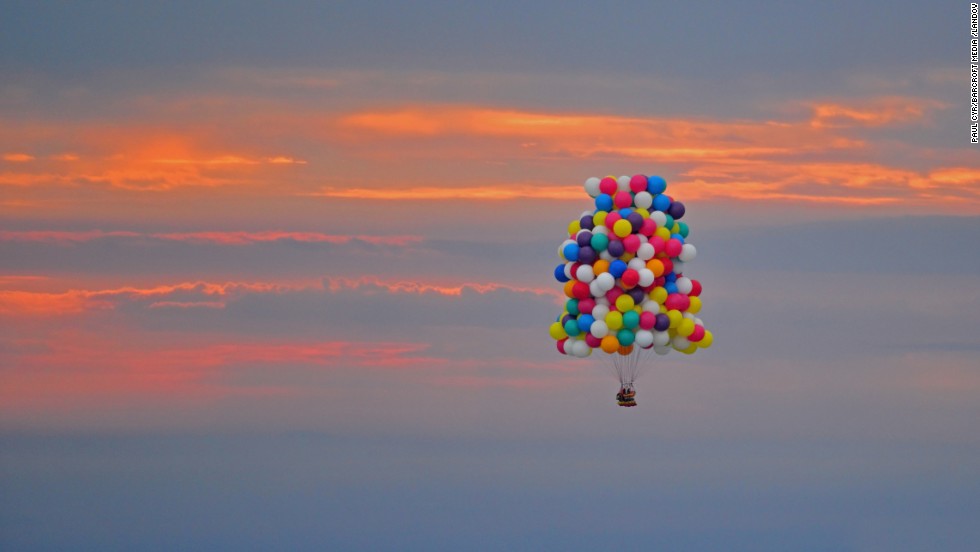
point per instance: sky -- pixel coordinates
(281, 276)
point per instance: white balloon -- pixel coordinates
(678, 267)
(584, 273)
(580, 349)
(684, 285)
(680, 342)
(568, 271)
(595, 289)
(698, 321)
(646, 277)
(643, 200)
(661, 349)
(688, 252)
(623, 183)
(636, 264)
(606, 281)
(601, 230)
(645, 252)
(601, 300)
(661, 339)
(606, 256)
(592, 186)
(687, 315)
(644, 338)
(599, 328)
(599, 312)
(649, 305)
(659, 217)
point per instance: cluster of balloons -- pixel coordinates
(622, 268)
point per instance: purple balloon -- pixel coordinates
(566, 318)
(584, 238)
(586, 222)
(663, 322)
(615, 248)
(676, 210)
(636, 221)
(587, 255)
(637, 295)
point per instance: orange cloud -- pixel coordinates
(473, 193)
(19, 302)
(222, 238)
(18, 157)
(873, 113)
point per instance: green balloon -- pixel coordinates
(625, 337)
(631, 319)
(599, 242)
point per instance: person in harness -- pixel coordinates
(626, 396)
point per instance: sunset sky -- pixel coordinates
(280, 276)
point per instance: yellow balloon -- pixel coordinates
(690, 349)
(624, 303)
(685, 328)
(707, 340)
(663, 233)
(695, 305)
(675, 318)
(663, 309)
(557, 331)
(643, 212)
(622, 228)
(675, 229)
(574, 227)
(614, 320)
(599, 219)
(659, 294)
(626, 257)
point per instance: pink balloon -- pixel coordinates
(657, 242)
(614, 294)
(698, 334)
(638, 183)
(647, 320)
(592, 341)
(561, 345)
(622, 199)
(608, 185)
(673, 247)
(677, 301)
(586, 305)
(611, 219)
(648, 227)
(631, 243)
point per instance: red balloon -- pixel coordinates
(581, 290)
(586, 305)
(561, 345)
(593, 341)
(673, 247)
(668, 265)
(630, 278)
(614, 294)
(695, 288)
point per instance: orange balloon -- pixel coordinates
(656, 266)
(568, 289)
(609, 344)
(600, 266)
(625, 350)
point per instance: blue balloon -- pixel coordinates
(661, 202)
(670, 277)
(671, 287)
(617, 268)
(625, 212)
(585, 322)
(571, 252)
(604, 202)
(656, 185)
(560, 274)
(678, 237)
